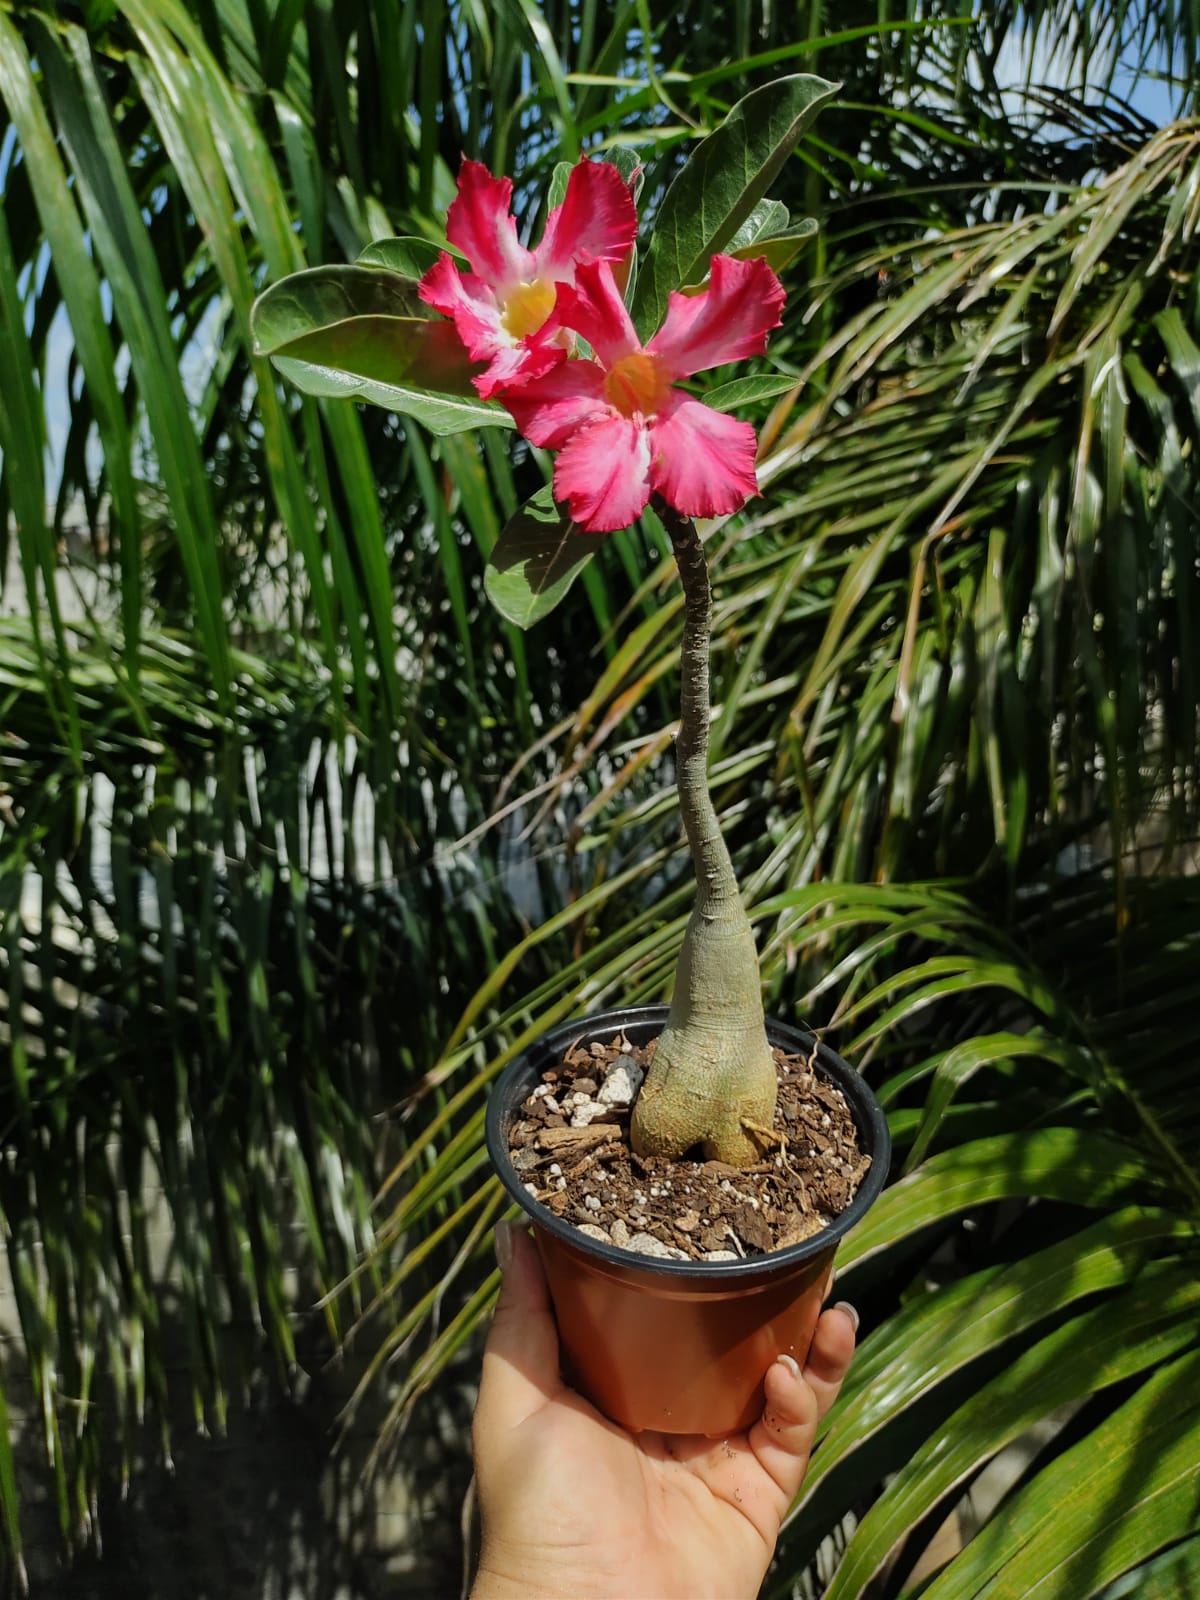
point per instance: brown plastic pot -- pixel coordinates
(678, 1346)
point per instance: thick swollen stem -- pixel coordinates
(712, 1081)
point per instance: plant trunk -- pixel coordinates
(712, 1080)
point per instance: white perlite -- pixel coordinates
(621, 1083)
(645, 1244)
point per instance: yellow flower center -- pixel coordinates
(527, 306)
(636, 383)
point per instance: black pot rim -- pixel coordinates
(648, 1020)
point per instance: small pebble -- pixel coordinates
(550, 1103)
(593, 1232)
(619, 1233)
(621, 1084)
(721, 1255)
(645, 1244)
(554, 1170)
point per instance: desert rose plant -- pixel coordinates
(584, 347)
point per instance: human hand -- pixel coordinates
(573, 1506)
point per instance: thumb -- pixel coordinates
(783, 1438)
(520, 1358)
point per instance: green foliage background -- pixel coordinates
(299, 842)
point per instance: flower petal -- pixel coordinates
(549, 409)
(725, 322)
(516, 365)
(593, 307)
(480, 224)
(703, 461)
(471, 303)
(603, 473)
(597, 218)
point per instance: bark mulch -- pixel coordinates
(570, 1143)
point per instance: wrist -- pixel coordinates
(517, 1575)
(493, 1584)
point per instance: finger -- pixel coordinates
(520, 1358)
(782, 1438)
(830, 1354)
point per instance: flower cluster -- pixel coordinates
(622, 429)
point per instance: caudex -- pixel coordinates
(712, 1080)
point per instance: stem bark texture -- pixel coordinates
(712, 1081)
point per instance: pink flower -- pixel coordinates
(622, 431)
(504, 309)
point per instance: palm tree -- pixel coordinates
(271, 759)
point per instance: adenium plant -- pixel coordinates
(584, 347)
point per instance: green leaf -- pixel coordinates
(769, 233)
(745, 391)
(325, 297)
(440, 414)
(935, 1337)
(768, 217)
(364, 333)
(629, 164)
(9, 1502)
(406, 351)
(537, 558)
(1167, 1577)
(1152, 1321)
(1066, 1164)
(722, 182)
(77, 273)
(556, 193)
(1125, 1491)
(959, 1065)
(780, 249)
(406, 257)
(104, 188)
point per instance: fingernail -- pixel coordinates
(844, 1305)
(504, 1247)
(790, 1363)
